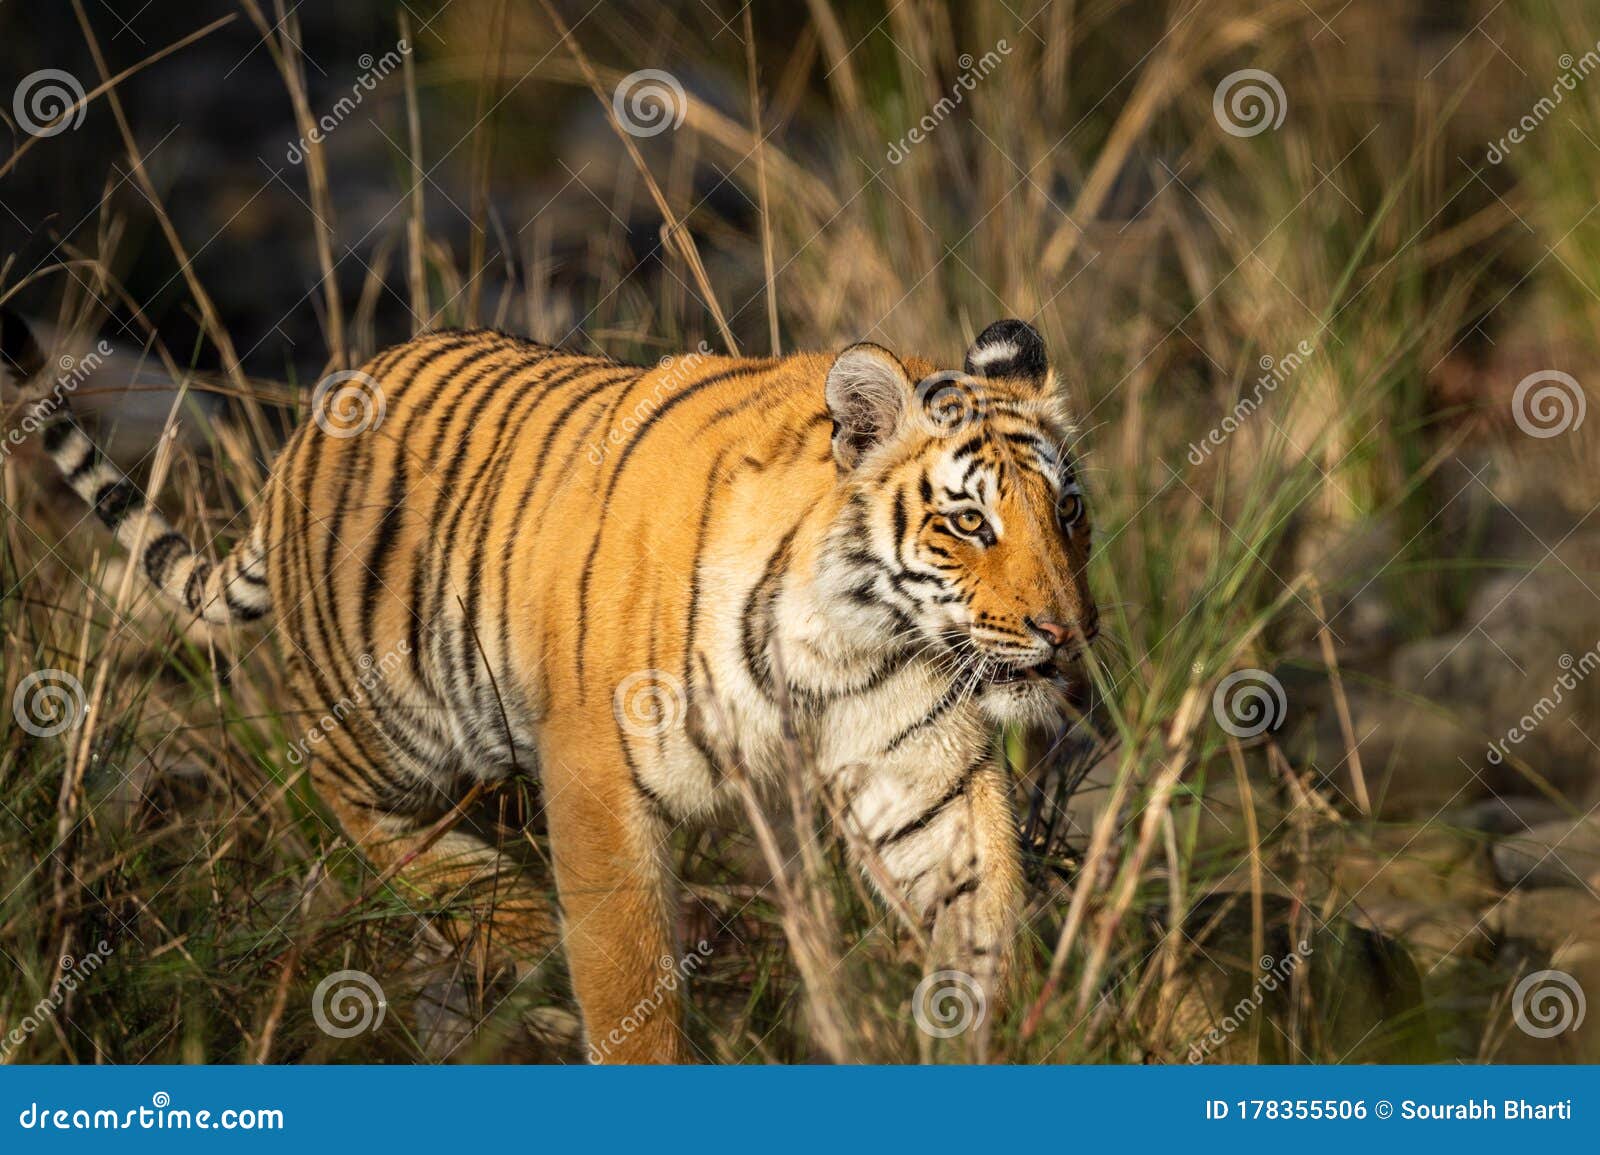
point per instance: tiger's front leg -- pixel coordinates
(974, 903)
(948, 848)
(616, 896)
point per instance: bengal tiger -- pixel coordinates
(638, 583)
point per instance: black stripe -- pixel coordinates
(318, 621)
(535, 476)
(922, 821)
(633, 444)
(387, 371)
(18, 347)
(388, 529)
(161, 553)
(114, 500)
(194, 589)
(968, 448)
(693, 724)
(957, 691)
(950, 897)
(91, 457)
(56, 433)
(499, 462)
(241, 611)
(755, 624)
(429, 582)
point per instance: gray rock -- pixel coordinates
(1548, 918)
(1504, 814)
(1565, 852)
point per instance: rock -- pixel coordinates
(1547, 918)
(1416, 755)
(1503, 814)
(1436, 934)
(1565, 852)
(1518, 675)
(1363, 615)
(1427, 864)
(1340, 992)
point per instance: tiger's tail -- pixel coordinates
(231, 593)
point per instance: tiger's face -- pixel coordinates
(966, 533)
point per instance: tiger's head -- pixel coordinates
(964, 529)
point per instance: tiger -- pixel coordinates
(639, 586)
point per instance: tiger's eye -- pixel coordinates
(968, 521)
(1069, 509)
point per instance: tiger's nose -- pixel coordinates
(1059, 634)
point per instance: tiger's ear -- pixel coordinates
(867, 394)
(1009, 349)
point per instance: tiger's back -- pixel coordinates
(521, 527)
